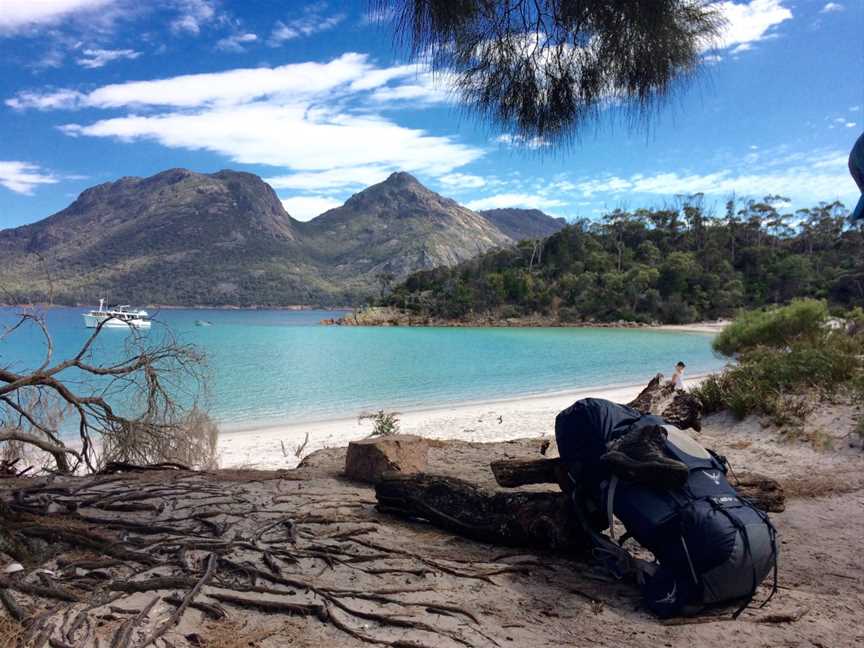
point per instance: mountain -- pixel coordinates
(397, 227)
(522, 224)
(177, 238)
(181, 237)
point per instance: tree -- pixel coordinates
(385, 280)
(669, 265)
(123, 410)
(543, 69)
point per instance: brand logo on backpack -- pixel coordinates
(713, 476)
(670, 597)
(725, 499)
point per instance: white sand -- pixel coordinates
(502, 420)
(697, 327)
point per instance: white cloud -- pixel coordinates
(305, 208)
(60, 99)
(750, 22)
(375, 78)
(97, 58)
(850, 124)
(194, 14)
(361, 175)
(312, 22)
(16, 15)
(832, 7)
(461, 181)
(298, 117)
(292, 136)
(418, 88)
(609, 184)
(232, 87)
(23, 177)
(236, 42)
(805, 177)
(504, 200)
(520, 141)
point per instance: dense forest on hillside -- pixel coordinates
(672, 265)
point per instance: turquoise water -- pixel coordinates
(282, 367)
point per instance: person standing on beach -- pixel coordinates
(856, 168)
(677, 379)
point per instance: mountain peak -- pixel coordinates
(401, 178)
(398, 186)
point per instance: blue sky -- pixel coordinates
(315, 98)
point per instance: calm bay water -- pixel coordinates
(281, 366)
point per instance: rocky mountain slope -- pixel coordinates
(397, 227)
(186, 238)
(521, 224)
(175, 238)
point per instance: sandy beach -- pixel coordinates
(502, 420)
(696, 327)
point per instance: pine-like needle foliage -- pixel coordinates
(543, 69)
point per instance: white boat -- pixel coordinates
(117, 317)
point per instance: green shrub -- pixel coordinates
(569, 314)
(765, 377)
(383, 423)
(777, 327)
(713, 392)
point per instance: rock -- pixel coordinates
(370, 458)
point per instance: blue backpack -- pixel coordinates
(711, 546)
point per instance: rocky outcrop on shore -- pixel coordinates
(388, 316)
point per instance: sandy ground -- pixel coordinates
(696, 327)
(530, 598)
(502, 420)
(533, 599)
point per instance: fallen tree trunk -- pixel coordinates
(526, 519)
(513, 519)
(678, 407)
(764, 492)
(512, 473)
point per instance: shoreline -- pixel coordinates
(274, 447)
(227, 307)
(378, 316)
(705, 326)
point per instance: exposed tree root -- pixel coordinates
(201, 546)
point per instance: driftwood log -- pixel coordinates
(680, 408)
(764, 492)
(517, 519)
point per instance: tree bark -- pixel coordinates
(513, 519)
(58, 451)
(679, 408)
(764, 492)
(512, 473)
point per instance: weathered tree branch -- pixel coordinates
(59, 452)
(140, 435)
(764, 492)
(514, 519)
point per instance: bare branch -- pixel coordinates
(54, 449)
(128, 410)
